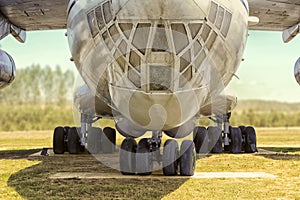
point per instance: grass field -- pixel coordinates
(24, 178)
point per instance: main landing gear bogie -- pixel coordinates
(76, 139)
(69, 139)
(65, 139)
(140, 158)
(236, 140)
(224, 138)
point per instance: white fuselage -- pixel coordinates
(156, 63)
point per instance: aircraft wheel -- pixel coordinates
(73, 141)
(109, 140)
(188, 158)
(66, 130)
(201, 140)
(250, 140)
(144, 163)
(236, 140)
(127, 156)
(81, 147)
(215, 136)
(94, 140)
(243, 128)
(59, 140)
(170, 158)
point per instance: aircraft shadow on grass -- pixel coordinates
(281, 153)
(34, 181)
(17, 154)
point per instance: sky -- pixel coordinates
(266, 74)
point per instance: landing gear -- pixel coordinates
(250, 140)
(108, 142)
(215, 136)
(66, 131)
(127, 157)
(235, 140)
(201, 139)
(144, 162)
(94, 140)
(148, 151)
(140, 158)
(170, 158)
(74, 140)
(188, 158)
(59, 140)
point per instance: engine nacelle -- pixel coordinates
(297, 71)
(7, 69)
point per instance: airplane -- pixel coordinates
(153, 66)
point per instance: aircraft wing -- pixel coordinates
(35, 15)
(275, 15)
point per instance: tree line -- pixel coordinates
(40, 98)
(272, 118)
(39, 85)
(266, 119)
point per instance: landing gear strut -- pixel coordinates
(235, 139)
(75, 139)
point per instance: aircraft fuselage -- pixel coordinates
(157, 63)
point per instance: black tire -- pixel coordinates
(59, 140)
(243, 128)
(250, 140)
(66, 130)
(236, 140)
(108, 142)
(170, 158)
(94, 140)
(127, 156)
(144, 163)
(188, 158)
(73, 141)
(201, 139)
(215, 139)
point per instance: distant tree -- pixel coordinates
(39, 85)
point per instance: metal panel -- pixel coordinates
(35, 14)
(275, 15)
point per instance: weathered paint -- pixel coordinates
(275, 15)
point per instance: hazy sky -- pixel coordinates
(266, 73)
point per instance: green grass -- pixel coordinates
(25, 140)
(9, 167)
(21, 177)
(278, 137)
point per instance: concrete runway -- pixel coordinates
(156, 175)
(198, 175)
